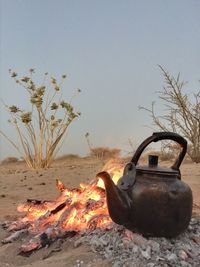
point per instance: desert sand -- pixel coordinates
(18, 183)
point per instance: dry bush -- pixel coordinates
(9, 160)
(169, 151)
(105, 152)
(182, 113)
(102, 152)
(68, 157)
(42, 128)
(166, 156)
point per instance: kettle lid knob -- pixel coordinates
(153, 160)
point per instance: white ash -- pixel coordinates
(126, 249)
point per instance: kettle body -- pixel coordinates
(160, 205)
(149, 199)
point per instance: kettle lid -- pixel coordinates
(153, 167)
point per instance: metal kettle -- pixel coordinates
(149, 199)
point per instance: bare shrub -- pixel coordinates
(166, 156)
(105, 152)
(169, 151)
(182, 113)
(42, 128)
(68, 156)
(9, 160)
(102, 152)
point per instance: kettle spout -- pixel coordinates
(117, 201)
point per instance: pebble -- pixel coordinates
(155, 246)
(150, 264)
(196, 239)
(116, 264)
(186, 264)
(147, 253)
(183, 255)
(171, 257)
(135, 249)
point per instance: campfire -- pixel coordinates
(79, 216)
(74, 211)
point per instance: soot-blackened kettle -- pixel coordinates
(149, 199)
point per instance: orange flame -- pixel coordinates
(74, 210)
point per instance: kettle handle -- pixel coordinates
(157, 136)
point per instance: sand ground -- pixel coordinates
(18, 183)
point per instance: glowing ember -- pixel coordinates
(73, 211)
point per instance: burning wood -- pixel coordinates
(73, 211)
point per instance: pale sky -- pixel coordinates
(109, 49)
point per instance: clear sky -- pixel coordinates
(110, 49)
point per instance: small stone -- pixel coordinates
(185, 264)
(196, 239)
(155, 246)
(171, 257)
(190, 228)
(139, 240)
(158, 258)
(182, 254)
(116, 264)
(187, 247)
(130, 235)
(135, 249)
(108, 253)
(78, 242)
(150, 264)
(147, 253)
(103, 241)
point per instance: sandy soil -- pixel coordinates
(17, 183)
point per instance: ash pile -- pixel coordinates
(119, 247)
(126, 249)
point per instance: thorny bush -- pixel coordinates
(182, 113)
